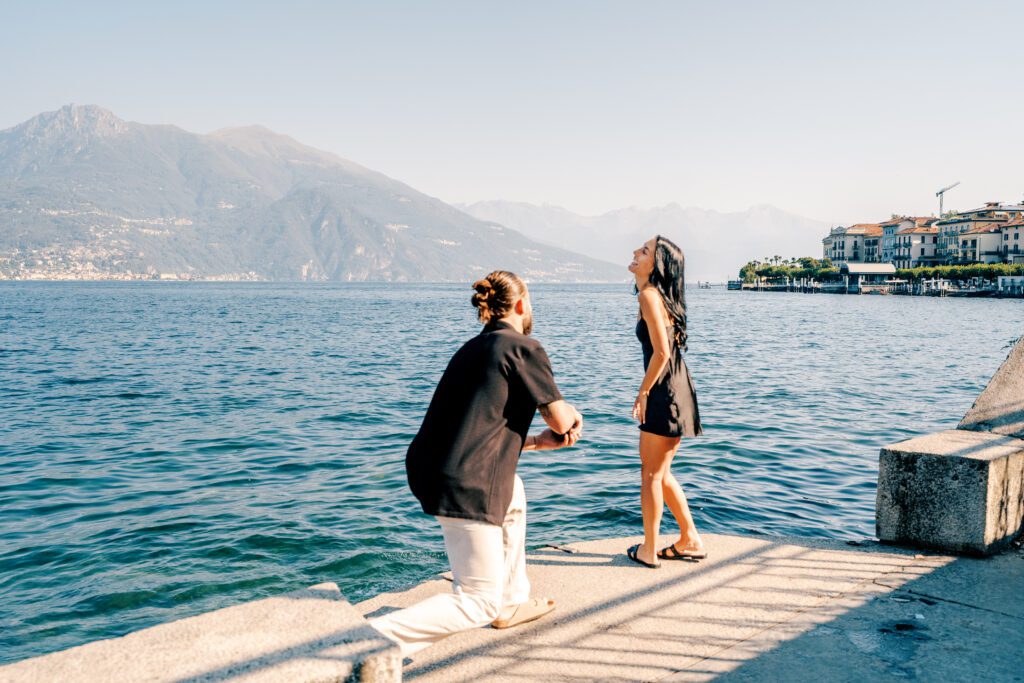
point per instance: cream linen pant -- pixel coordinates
(488, 570)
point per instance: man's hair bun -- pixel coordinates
(495, 295)
(484, 299)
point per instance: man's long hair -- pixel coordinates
(496, 294)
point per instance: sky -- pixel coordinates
(840, 111)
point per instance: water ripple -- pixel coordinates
(167, 450)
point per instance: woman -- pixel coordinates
(666, 404)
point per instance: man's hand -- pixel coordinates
(549, 440)
(577, 427)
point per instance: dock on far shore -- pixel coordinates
(758, 609)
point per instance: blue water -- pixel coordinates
(167, 449)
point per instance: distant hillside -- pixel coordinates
(86, 194)
(716, 244)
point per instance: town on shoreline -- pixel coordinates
(974, 253)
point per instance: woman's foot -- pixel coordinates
(643, 556)
(686, 548)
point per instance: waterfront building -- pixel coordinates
(873, 243)
(830, 245)
(1012, 242)
(952, 227)
(847, 244)
(982, 244)
(893, 226)
(889, 230)
(863, 277)
(916, 246)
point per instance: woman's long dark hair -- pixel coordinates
(668, 276)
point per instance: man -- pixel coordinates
(462, 463)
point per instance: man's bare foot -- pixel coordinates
(524, 612)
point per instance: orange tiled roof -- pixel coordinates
(919, 230)
(1013, 224)
(863, 228)
(984, 229)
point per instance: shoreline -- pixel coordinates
(882, 290)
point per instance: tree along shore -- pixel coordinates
(823, 270)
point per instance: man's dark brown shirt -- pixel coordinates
(462, 462)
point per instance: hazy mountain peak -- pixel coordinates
(74, 119)
(84, 194)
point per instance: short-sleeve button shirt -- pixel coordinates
(463, 460)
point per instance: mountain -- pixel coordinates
(86, 194)
(716, 244)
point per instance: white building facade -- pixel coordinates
(916, 247)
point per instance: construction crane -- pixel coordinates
(942, 192)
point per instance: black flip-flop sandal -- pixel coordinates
(631, 553)
(672, 553)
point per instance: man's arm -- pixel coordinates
(561, 417)
(548, 440)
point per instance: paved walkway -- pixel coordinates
(758, 609)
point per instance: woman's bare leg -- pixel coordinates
(656, 453)
(689, 539)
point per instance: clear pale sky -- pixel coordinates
(843, 112)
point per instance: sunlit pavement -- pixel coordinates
(759, 608)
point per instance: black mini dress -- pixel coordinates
(672, 401)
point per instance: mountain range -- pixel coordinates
(85, 194)
(716, 243)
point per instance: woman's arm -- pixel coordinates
(652, 310)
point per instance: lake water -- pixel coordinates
(167, 449)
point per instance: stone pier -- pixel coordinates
(304, 636)
(960, 490)
(759, 609)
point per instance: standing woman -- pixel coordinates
(666, 404)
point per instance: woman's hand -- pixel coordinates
(640, 407)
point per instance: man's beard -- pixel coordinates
(528, 323)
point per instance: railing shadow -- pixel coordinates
(711, 620)
(771, 610)
(923, 629)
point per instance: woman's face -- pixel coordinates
(643, 259)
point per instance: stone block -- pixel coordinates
(1000, 407)
(307, 635)
(957, 491)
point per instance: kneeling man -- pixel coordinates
(462, 468)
